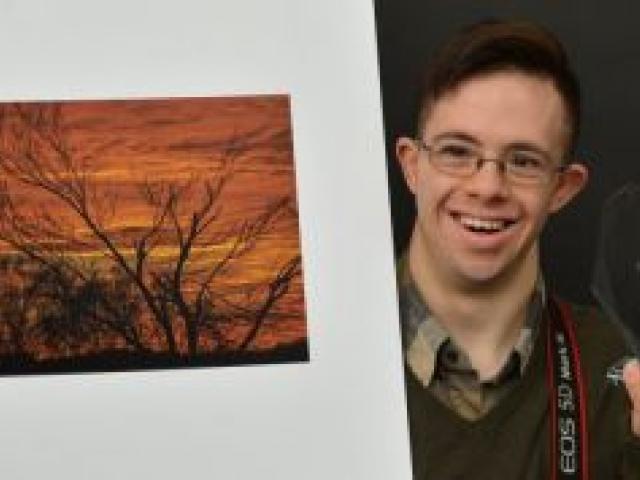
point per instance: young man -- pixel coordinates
(503, 380)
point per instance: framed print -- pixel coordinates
(281, 138)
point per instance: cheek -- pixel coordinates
(425, 200)
(538, 209)
(430, 191)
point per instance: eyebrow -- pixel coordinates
(456, 135)
(465, 137)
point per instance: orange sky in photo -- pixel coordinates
(121, 145)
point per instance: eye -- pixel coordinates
(456, 151)
(526, 161)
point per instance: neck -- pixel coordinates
(484, 318)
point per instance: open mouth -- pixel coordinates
(484, 225)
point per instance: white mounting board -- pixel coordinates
(342, 415)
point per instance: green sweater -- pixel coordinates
(512, 440)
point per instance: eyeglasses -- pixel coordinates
(461, 159)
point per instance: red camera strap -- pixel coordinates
(567, 397)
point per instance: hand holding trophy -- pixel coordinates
(616, 285)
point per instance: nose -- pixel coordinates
(500, 164)
(488, 181)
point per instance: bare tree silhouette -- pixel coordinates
(15, 298)
(137, 299)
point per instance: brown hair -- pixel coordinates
(498, 45)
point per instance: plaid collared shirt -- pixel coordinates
(445, 369)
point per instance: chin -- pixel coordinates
(483, 272)
(479, 277)
(495, 270)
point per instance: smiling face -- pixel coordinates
(482, 228)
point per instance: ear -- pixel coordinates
(571, 182)
(407, 155)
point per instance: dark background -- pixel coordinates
(603, 42)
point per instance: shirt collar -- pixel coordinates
(423, 337)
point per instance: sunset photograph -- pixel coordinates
(149, 233)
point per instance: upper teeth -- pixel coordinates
(482, 224)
